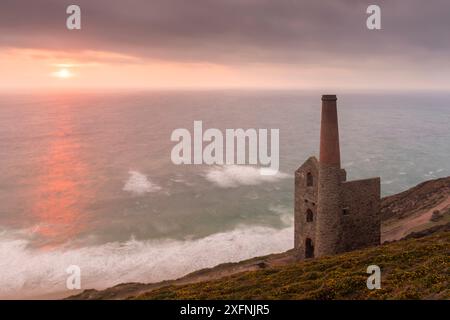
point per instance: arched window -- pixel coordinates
(309, 216)
(309, 179)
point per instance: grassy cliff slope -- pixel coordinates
(411, 269)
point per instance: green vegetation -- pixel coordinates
(411, 269)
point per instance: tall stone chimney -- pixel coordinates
(329, 133)
(328, 224)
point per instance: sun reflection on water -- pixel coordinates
(59, 192)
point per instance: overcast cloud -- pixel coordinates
(234, 31)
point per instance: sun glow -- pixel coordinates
(63, 74)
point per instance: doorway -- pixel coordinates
(309, 248)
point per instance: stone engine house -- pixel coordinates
(333, 215)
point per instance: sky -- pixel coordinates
(292, 44)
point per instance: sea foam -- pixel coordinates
(138, 183)
(232, 176)
(27, 272)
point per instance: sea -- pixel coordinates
(87, 180)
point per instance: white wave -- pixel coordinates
(232, 176)
(139, 184)
(27, 272)
(182, 181)
(430, 174)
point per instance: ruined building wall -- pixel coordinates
(305, 199)
(361, 221)
(328, 228)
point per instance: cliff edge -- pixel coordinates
(420, 212)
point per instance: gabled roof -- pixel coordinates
(310, 162)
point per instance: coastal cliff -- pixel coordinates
(423, 207)
(414, 259)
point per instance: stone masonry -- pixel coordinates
(333, 215)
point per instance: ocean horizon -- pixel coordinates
(87, 179)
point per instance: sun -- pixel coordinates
(63, 73)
